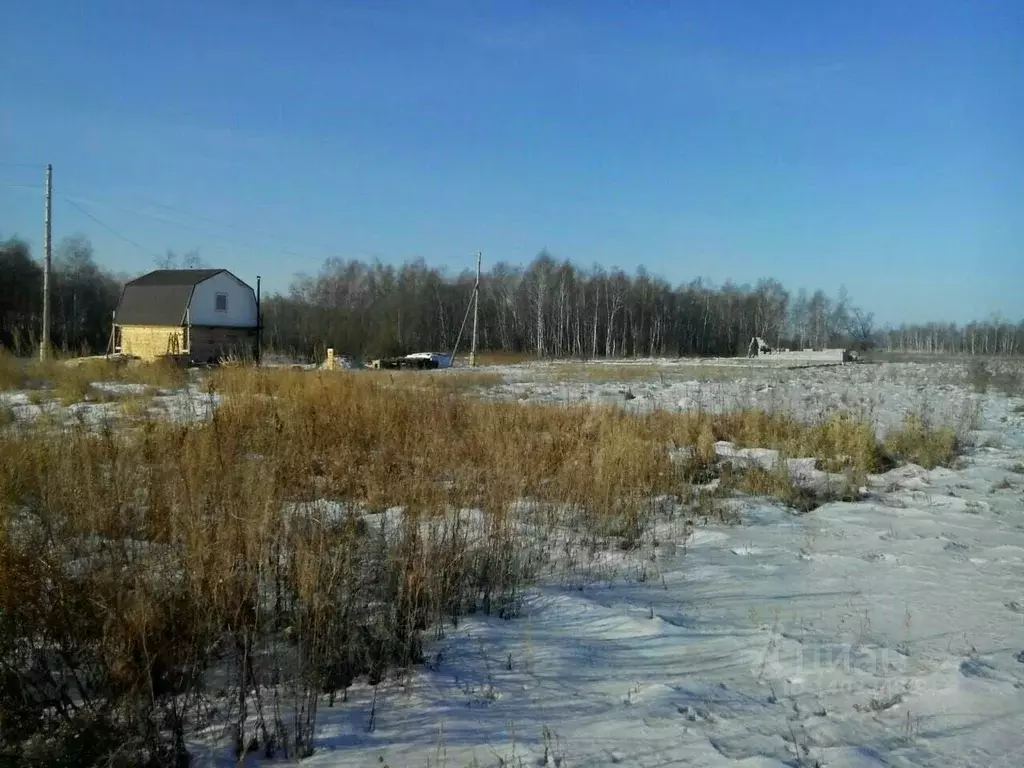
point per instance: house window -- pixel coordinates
(222, 302)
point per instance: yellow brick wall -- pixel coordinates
(205, 344)
(152, 341)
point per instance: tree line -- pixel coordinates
(549, 308)
(995, 337)
(554, 308)
(82, 298)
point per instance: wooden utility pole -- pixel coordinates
(44, 343)
(476, 312)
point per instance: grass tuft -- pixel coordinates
(1007, 380)
(920, 443)
(979, 376)
(12, 371)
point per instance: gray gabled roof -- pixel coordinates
(189, 277)
(160, 297)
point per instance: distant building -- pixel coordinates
(201, 315)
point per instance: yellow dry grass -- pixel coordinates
(610, 372)
(12, 371)
(149, 554)
(500, 358)
(919, 442)
(71, 380)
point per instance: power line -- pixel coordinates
(19, 185)
(208, 220)
(268, 242)
(271, 241)
(191, 227)
(110, 229)
(186, 226)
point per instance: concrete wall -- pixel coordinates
(151, 341)
(241, 310)
(807, 356)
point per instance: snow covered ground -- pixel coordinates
(189, 403)
(884, 392)
(888, 632)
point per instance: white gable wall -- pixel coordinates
(241, 309)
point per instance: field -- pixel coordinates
(643, 563)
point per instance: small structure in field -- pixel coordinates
(335, 362)
(198, 315)
(419, 361)
(759, 348)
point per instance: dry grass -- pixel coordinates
(611, 372)
(448, 380)
(12, 371)
(1004, 376)
(979, 376)
(136, 563)
(135, 406)
(779, 484)
(919, 442)
(71, 380)
(499, 358)
(462, 380)
(602, 373)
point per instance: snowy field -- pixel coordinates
(889, 632)
(886, 632)
(185, 404)
(883, 393)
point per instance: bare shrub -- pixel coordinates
(1004, 377)
(1009, 382)
(979, 376)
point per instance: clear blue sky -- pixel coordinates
(877, 144)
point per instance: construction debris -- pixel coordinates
(418, 361)
(335, 363)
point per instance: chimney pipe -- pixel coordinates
(259, 324)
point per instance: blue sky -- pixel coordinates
(876, 144)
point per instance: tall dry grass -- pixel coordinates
(499, 358)
(1005, 376)
(608, 372)
(71, 380)
(244, 571)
